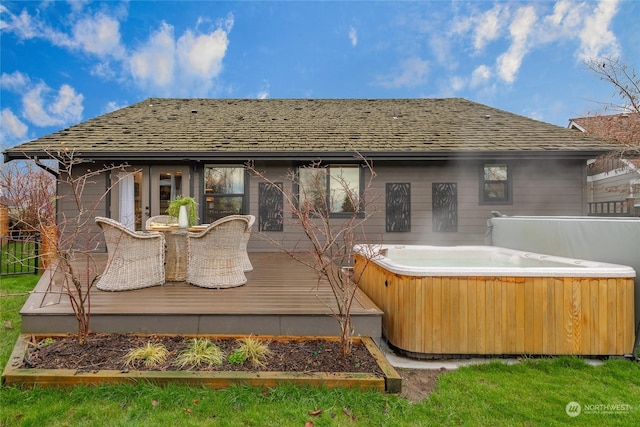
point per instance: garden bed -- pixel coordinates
(59, 361)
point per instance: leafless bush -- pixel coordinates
(69, 236)
(330, 239)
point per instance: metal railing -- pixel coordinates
(19, 253)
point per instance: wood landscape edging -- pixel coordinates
(13, 375)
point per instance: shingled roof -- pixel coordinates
(242, 129)
(620, 128)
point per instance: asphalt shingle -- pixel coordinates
(292, 126)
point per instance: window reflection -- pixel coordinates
(170, 188)
(495, 185)
(333, 188)
(224, 191)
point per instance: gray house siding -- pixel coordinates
(539, 187)
(95, 202)
(614, 187)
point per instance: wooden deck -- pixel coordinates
(281, 297)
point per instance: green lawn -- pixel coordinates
(535, 392)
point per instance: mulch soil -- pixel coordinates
(107, 352)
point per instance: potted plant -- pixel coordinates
(191, 208)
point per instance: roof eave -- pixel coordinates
(191, 156)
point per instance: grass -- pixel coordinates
(531, 393)
(13, 294)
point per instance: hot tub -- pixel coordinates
(485, 300)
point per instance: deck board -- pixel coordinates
(279, 292)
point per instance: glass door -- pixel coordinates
(129, 201)
(167, 183)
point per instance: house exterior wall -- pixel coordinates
(539, 187)
(81, 231)
(612, 187)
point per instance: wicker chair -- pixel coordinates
(246, 262)
(215, 255)
(160, 219)
(135, 259)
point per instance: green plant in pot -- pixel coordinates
(192, 208)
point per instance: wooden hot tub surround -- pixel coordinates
(427, 316)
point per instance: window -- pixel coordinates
(495, 184)
(224, 192)
(333, 188)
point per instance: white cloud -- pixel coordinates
(457, 83)
(187, 66)
(12, 127)
(596, 38)
(264, 91)
(153, 63)
(99, 35)
(43, 109)
(202, 55)
(14, 82)
(563, 23)
(520, 29)
(353, 36)
(112, 106)
(163, 64)
(533, 27)
(77, 5)
(561, 10)
(104, 70)
(67, 106)
(411, 72)
(41, 105)
(480, 75)
(22, 24)
(440, 46)
(488, 27)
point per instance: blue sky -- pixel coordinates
(66, 62)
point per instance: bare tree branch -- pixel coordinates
(329, 240)
(624, 79)
(68, 237)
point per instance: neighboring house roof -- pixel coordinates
(619, 129)
(240, 129)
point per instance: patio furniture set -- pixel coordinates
(209, 256)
